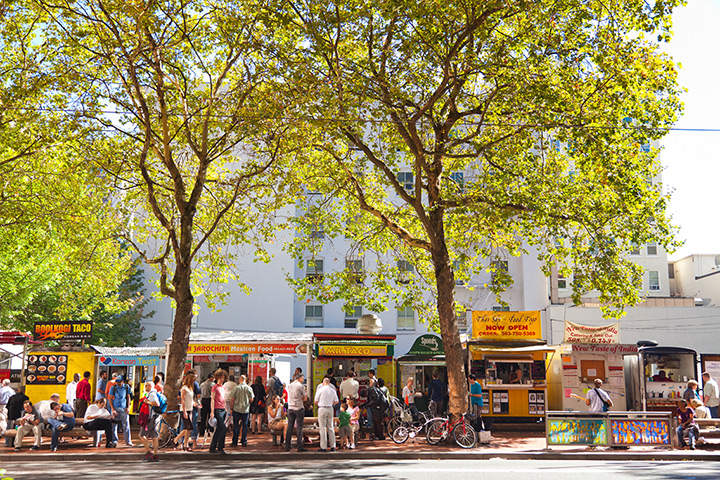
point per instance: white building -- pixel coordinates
(696, 276)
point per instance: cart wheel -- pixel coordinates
(464, 435)
(362, 435)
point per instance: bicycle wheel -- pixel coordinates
(167, 434)
(436, 431)
(401, 434)
(393, 424)
(165, 438)
(464, 435)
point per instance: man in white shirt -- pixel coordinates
(711, 394)
(349, 387)
(229, 402)
(71, 390)
(6, 392)
(598, 399)
(297, 395)
(325, 399)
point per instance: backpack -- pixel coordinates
(277, 387)
(162, 400)
(381, 403)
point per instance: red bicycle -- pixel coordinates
(463, 433)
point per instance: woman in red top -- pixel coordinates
(217, 411)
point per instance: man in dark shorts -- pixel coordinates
(149, 431)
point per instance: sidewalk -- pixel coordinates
(508, 445)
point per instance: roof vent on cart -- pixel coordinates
(369, 324)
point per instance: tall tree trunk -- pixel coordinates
(454, 360)
(181, 334)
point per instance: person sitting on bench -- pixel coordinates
(98, 418)
(62, 417)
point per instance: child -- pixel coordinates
(345, 431)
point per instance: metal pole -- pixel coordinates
(308, 366)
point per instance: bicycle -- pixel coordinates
(412, 429)
(463, 433)
(167, 435)
(401, 415)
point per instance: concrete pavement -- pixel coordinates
(368, 469)
(507, 445)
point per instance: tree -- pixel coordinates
(183, 111)
(450, 134)
(56, 245)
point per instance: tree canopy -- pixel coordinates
(56, 230)
(452, 134)
(185, 131)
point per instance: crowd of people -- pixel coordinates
(108, 414)
(220, 404)
(223, 403)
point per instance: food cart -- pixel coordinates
(248, 353)
(590, 352)
(508, 357)
(425, 357)
(663, 373)
(573, 368)
(135, 364)
(50, 369)
(358, 352)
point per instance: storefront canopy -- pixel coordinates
(129, 356)
(241, 343)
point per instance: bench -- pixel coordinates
(310, 425)
(76, 432)
(705, 425)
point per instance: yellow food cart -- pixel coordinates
(508, 358)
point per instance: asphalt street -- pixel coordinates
(495, 469)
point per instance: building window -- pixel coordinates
(352, 317)
(499, 266)
(405, 271)
(500, 308)
(355, 269)
(561, 282)
(407, 181)
(654, 280)
(652, 248)
(313, 316)
(317, 230)
(406, 318)
(634, 249)
(314, 270)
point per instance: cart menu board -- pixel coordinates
(536, 402)
(477, 367)
(500, 402)
(538, 370)
(46, 370)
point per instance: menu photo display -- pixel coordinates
(46, 369)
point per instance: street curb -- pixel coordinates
(365, 455)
